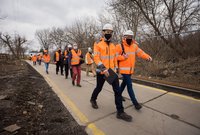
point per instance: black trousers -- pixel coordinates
(118, 97)
(59, 65)
(67, 70)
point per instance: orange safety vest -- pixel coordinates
(34, 58)
(89, 58)
(57, 56)
(126, 66)
(105, 54)
(75, 57)
(46, 58)
(39, 57)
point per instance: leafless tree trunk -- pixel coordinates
(43, 38)
(14, 45)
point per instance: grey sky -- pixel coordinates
(25, 16)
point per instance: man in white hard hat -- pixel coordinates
(105, 58)
(89, 60)
(126, 55)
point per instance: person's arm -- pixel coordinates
(86, 58)
(97, 59)
(140, 53)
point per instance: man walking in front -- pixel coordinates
(105, 58)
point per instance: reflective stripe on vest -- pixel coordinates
(106, 57)
(75, 57)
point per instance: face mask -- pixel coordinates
(129, 41)
(59, 51)
(108, 36)
(75, 48)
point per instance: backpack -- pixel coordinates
(123, 52)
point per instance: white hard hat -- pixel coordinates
(108, 27)
(75, 46)
(69, 46)
(89, 49)
(128, 33)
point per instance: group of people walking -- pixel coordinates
(118, 58)
(108, 58)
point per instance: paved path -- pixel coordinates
(163, 113)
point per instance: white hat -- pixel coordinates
(75, 46)
(108, 27)
(128, 33)
(69, 46)
(89, 49)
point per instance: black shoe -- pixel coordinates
(123, 99)
(66, 77)
(73, 83)
(62, 74)
(56, 72)
(138, 106)
(94, 104)
(124, 117)
(78, 85)
(47, 72)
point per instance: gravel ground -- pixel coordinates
(29, 106)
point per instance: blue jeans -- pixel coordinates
(46, 66)
(128, 82)
(117, 93)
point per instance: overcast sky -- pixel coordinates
(25, 16)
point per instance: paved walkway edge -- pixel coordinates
(91, 128)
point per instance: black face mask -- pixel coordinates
(129, 41)
(108, 36)
(59, 51)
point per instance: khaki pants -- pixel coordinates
(90, 67)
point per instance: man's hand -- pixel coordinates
(149, 59)
(125, 56)
(106, 73)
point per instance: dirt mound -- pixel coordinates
(184, 73)
(27, 101)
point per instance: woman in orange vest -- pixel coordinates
(105, 58)
(126, 53)
(76, 57)
(34, 59)
(46, 59)
(89, 62)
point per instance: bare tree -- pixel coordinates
(15, 44)
(82, 32)
(127, 14)
(57, 37)
(160, 17)
(43, 38)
